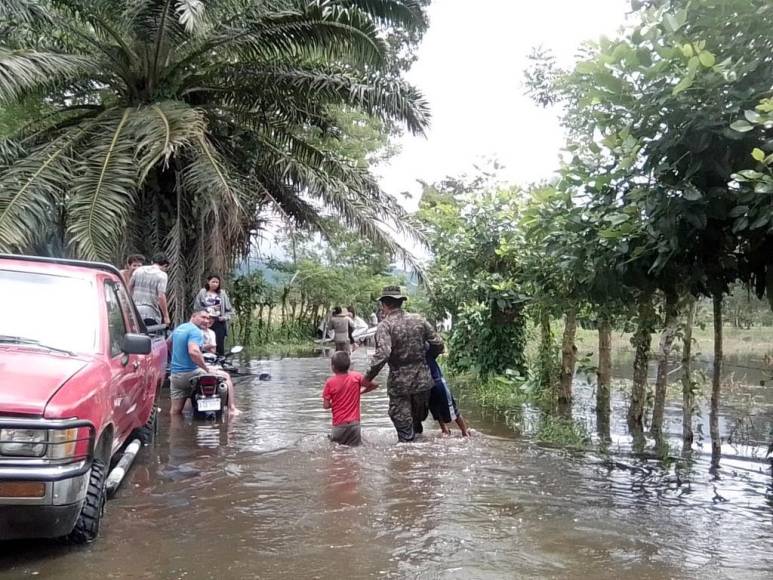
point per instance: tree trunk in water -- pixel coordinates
(688, 397)
(661, 381)
(285, 293)
(546, 367)
(716, 376)
(641, 341)
(604, 375)
(568, 356)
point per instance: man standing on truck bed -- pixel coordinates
(148, 288)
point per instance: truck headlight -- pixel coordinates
(23, 442)
(63, 443)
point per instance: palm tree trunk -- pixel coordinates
(641, 342)
(604, 375)
(568, 356)
(716, 376)
(661, 381)
(688, 395)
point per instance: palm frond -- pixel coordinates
(351, 192)
(31, 188)
(260, 87)
(24, 11)
(161, 130)
(311, 31)
(103, 191)
(208, 177)
(217, 191)
(192, 15)
(404, 13)
(23, 71)
(174, 248)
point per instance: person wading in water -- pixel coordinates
(401, 340)
(343, 327)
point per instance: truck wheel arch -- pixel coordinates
(104, 447)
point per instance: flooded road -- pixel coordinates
(266, 496)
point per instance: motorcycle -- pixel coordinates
(225, 361)
(210, 391)
(209, 397)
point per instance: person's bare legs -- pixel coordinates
(232, 410)
(463, 426)
(177, 406)
(445, 431)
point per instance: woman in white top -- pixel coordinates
(214, 299)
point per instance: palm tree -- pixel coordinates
(174, 124)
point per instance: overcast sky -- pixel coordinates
(470, 68)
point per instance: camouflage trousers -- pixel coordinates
(407, 412)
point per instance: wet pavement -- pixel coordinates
(267, 496)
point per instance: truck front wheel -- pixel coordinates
(86, 527)
(147, 434)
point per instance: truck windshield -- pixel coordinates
(56, 312)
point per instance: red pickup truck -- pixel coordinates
(79, 376)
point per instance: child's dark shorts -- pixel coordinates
(441, 403)
(347, 434)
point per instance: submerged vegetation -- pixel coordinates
(663, 199)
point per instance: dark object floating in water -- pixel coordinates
(264, 376)
(178, 472)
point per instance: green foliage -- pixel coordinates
(479, 343)
(547, 367)
(341, 271)
(510, 394)
(655, 108)
(474, 274)
(247, 293)
(561, 431)
(177, 125)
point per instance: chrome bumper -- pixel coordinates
(65, 483)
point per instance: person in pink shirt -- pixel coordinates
(342, 396)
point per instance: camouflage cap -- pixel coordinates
(396, 292)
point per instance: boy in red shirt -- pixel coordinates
(342, 394)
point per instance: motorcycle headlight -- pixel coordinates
(23, 442)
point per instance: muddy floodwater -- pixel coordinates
(266, 496)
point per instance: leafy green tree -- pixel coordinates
(657, 104)
(173, 124)
(475, 272)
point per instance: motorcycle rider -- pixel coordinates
(188, 362)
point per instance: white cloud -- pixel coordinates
(470, 67)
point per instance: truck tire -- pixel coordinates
(147, 434)
(86, 527)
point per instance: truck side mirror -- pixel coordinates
(136, 344)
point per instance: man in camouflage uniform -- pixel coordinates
(401, 340)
